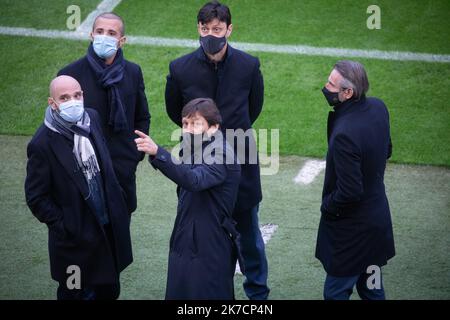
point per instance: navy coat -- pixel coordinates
(204, 241)
(355, 228)
(121, 145)
(56, 190)
(237, 87)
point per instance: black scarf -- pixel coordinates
(108, 76)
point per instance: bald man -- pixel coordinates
(115, 88)
(71, 187)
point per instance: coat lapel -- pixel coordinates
(64, 154)
(99, 146)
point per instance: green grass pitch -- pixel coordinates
(416, 93)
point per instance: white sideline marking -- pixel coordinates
(83, 34)
(342, 52)
(104, 6)
(267, 230)
(42, 33)
(310, 171)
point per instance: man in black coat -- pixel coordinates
(115, 88)
(233, 80)
(355, 236)
(204, 244)
(71, 187)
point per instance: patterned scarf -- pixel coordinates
(79, 134)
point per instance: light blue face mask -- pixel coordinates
(105, 46)
(72, 110)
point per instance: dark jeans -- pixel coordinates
(341, 288)
(253, 252)
(99, 292)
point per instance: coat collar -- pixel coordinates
(348, 106)
(341, 110)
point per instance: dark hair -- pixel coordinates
(204, 107)
(354, 75)
(214, 10)
(111, 15)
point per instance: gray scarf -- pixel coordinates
(79, 134)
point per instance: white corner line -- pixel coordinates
(104, 6)
(310, 170)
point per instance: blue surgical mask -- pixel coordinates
(105, 46)
(72, 110)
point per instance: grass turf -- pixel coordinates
(406, 25)
(48, 14)
(420, 209)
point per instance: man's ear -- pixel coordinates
(349, 93)
(91, 35)
(122, 41)
(229, 30)
(51, 103)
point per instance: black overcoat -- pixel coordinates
(355, 228)
(56, 190)
(204, 242)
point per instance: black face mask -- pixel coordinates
(211, 44)
(332, 97)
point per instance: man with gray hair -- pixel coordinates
(355, 236)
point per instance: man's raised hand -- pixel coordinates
(145, 144)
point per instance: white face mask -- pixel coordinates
(72, 110)
(105, 46)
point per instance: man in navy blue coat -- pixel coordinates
(231, 78)
(115, 88)
(204, 244)
(71, 187)
(355, 236)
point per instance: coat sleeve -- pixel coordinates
(37, 187)
(390, 140)
(256, 98)
(174, 98)
(349, 180)
(192, 179)
(389, 148)
(142, 114)
(95, 122)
